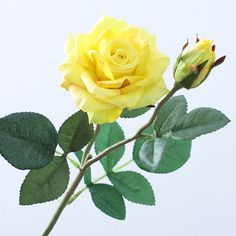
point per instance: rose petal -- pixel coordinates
(119, 83)
(89, 81)
(104, 116)
(87, 102)
(152, 94)
(72, 75)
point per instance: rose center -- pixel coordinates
(119, 56)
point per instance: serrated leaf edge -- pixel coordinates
(227, 122)
(20, 195)
(96, 151)
(74, 132)
(147, 183)
(42, 116)
(123, 117)
(103, 211)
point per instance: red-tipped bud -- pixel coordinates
(194, 64)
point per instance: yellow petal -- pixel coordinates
(119, 83)
(72, 75)
(126, 100)
(130, 88)
(87, 102)
(139, 37)
(113, 67)
(152, 94)
(144, 58)
(102, 70)
(105, 23)
(89, 81)
(104, 116)
(154, 70)
(107, 72)
(83, 45)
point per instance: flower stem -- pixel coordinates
(86, 155)
(87, 161)
(72, 188)
(139, 132)
(64, 203)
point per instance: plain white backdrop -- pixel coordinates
(196, 200)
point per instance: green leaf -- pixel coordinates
(75, 132)
(27, 140)
(198, 122)
(163, 155)
(134, 113)
(169, 114)
(108, 200)
(79, 155)
(46, 184)
(138, 144)
(133, 186)
(109, 134)
(87, 175)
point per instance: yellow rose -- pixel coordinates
(194, 64)
(113, 67)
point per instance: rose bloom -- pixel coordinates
(113, 67)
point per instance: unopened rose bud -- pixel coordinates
(194, 64)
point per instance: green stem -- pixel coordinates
(122, 166)
(63, 203)
(73, 187)
(162, 102)
(146, 136)
(87, 161)
(139, 132)
(86, 155)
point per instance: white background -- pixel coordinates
(198, 199)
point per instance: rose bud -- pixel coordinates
(194, 64)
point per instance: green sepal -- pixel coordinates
(189, 79)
